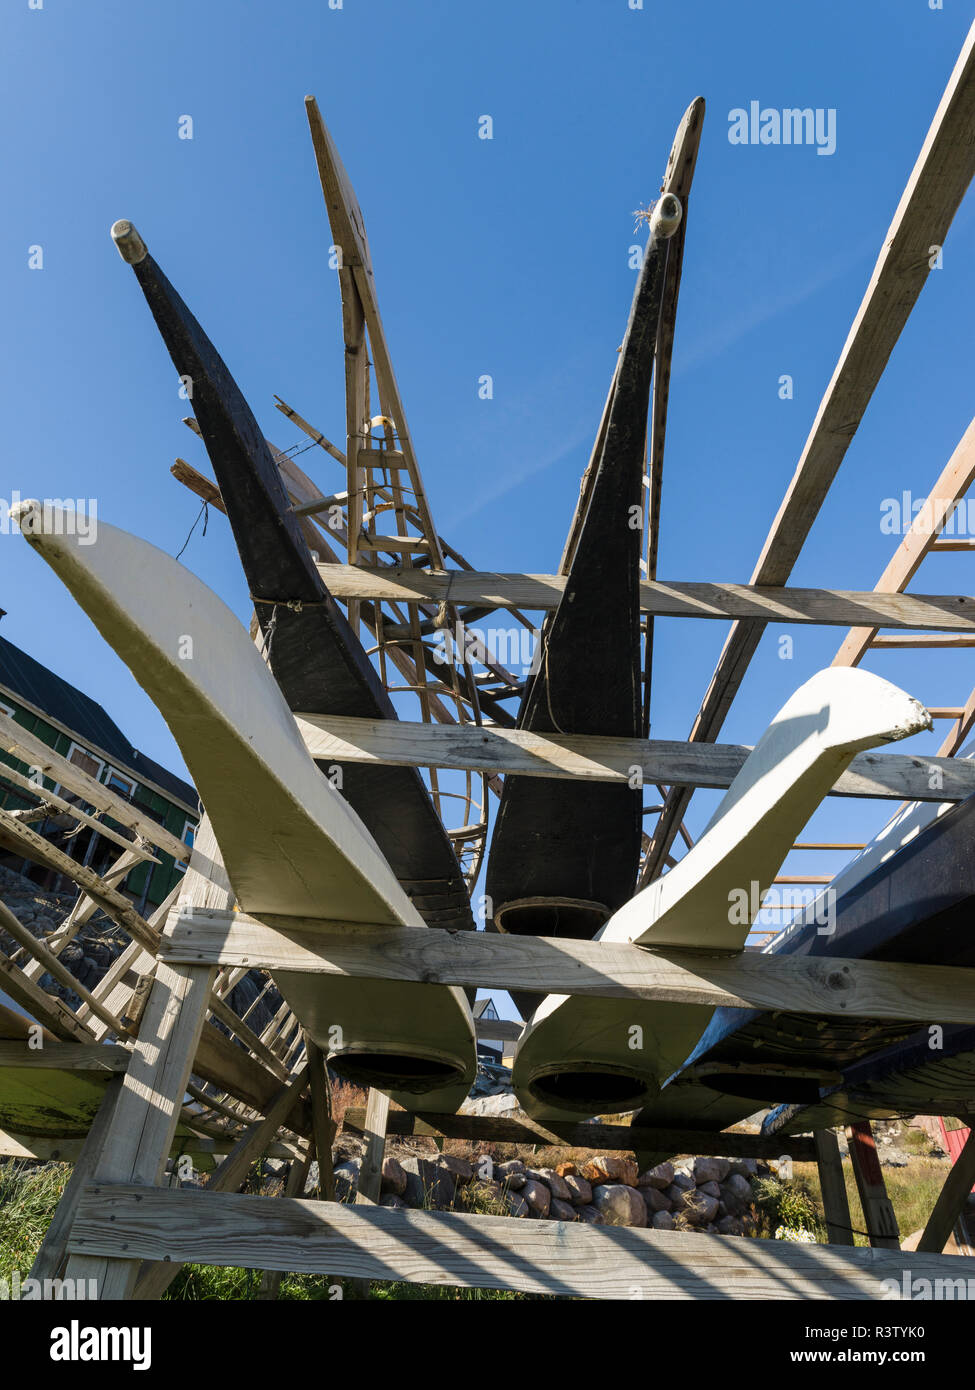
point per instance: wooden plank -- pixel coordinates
(878, 1211)
(344, 739)
(954, 482)
(488, 960)
(53, 1248)
(628, 1138)
(836, 1205)
(447, 1248)
(155, 1278)
(662, 598)
(15, 739)
(323, 1126)
(371, 1174)
(65, 1056)
(46, 1008)
(934, 191)
(951, 1200)
(134, 848)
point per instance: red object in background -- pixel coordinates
(954, 1140)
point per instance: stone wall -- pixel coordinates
(701, 1194)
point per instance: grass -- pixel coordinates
(913, 1192)
(28, 1196)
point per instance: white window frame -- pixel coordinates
(7, 709)
(111, 771)
(59, 789)
(193, 825)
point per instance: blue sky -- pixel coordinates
(507, 257)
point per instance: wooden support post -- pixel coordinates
(53, 1251)
(951, 1200)
(836, 1205)
(294, 1187)
(878, 1213)
(371, 1175)
(323, 1126)
(156, 1276)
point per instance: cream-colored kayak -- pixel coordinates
(597, 1055)
(292, 846)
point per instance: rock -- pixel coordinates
(605, 1169)
(566, 1170)
(662, 1221)
(458, 1168)
(505, 1170)
(698, 1207)
(710, 1170)
(580, 1191)
(660, 1177)
(736, 1194)
(562, 1211)
(592, 1216)
(392, 1199)
(655, 1200)
(517, 1205)
(428, 1184)
(683, 1182)
(553, 1181)
(744, 1167)
(620, 1204)
(515, 1181)
(394, 1176)
(311, 1182)
(537, 1195)
(730, 1226)
(710, 1189)
(347, 1179)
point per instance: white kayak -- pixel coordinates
(292, 846)
(589, 1056)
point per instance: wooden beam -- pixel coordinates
(951, 1200)
(661, 598)
(101, 1057)
(371, 1173)
(491, 1129)
(15, 739)
(955, 480)
(133, 847)
(345, 739)
(835, 988)
(878, 1211)
(544, 1257)
(836, 1204)
(937, 184)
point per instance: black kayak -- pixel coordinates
(565, 855)
(314, 655)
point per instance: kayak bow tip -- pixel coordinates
(130, 245)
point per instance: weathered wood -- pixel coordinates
(53, 1248)
(44, 794)
(889, 776)
(663, 598)
(954, 482)
(489, 1129)
(447, 1248)
(749, 979)
(836, 1205)
(46, 1008)
(65, 1056)
(937, 184)
(155, 1278)
(951, 1200)
(323, 1126)
(15, 739)
(878, 1211)
(371, 1173)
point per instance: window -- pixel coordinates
(188, 836)
(7, 709)
(85, 760)
(123, 785)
